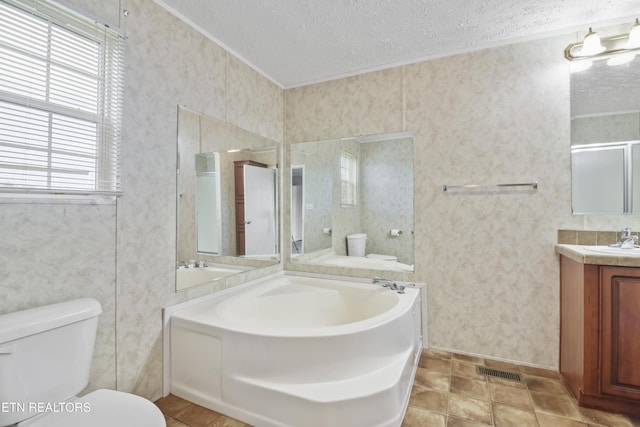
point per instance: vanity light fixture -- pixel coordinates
(618, 49)
(634, 36)
(591, 45)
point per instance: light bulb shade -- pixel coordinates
(621, 59)
(591, 45)
(634, 36)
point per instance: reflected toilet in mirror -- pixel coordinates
(354, 186)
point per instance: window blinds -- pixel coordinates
(60, 101)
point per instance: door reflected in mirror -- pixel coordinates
(352, 202)
(227, 216)
(605, 138)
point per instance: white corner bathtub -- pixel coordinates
(297, 351)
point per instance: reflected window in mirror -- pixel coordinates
(348, 178)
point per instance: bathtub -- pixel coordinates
(294, 350)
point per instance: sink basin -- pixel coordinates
(615, 251)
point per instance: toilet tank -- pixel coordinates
(45, 355)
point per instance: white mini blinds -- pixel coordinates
(60, 101)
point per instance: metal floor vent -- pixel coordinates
(505, 375)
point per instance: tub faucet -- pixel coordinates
(386, 283)
(183, 264)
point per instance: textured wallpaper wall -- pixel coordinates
(124, 254)
(494, 116)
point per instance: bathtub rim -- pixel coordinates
(397, 309)
(168, 311)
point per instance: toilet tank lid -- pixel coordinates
(39, 319)
(356, 236)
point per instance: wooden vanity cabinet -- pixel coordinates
(600, 335)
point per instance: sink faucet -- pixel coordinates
(628, 241)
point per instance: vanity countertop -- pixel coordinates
(585, 256)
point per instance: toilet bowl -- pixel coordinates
(45, 357)
(101, 408)
(383, 257)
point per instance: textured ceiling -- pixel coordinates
(296, 42)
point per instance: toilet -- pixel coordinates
(356, 245)
(45, 360)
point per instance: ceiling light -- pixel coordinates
(634, 36)
(591, 44)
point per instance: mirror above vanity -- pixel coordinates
(227, 200)
(352, 203)
(605, 134)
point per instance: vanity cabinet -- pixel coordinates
(600, 334)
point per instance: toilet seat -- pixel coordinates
(103, 408)
(383, 257)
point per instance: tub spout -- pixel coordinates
(385, 283)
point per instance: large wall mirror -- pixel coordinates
(352, 202)
(227, 200)
(605, 138)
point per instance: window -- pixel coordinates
(60, 101)
(348, 178)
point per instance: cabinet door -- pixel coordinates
(620, 331)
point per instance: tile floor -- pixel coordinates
(447, 392)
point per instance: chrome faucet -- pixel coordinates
(385, 283)
(627, 241)
(183, 264)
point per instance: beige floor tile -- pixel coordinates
(503, 381)
(469, 409)
(432, 379)
(466, 358)
(430, 400)
(512, 396)
(540, 372)
(555, 405)
(476, 389)
(175, 423)
(508, 416)
(546, 420)
(171, 405)
(420, 418)
(436, 364)
(594, 416)
(545, 385)
(465, 369)
(439, 354)
(498, 364)
(197, 416)
(459, 422)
